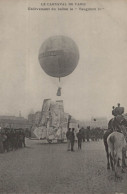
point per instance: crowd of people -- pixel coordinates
(11, 139)
(83, 135)
(92, 133)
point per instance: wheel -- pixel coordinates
(49, 140)
(60, 140)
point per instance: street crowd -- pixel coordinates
(11, 139)
(83, 135)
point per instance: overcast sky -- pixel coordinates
(98, 82)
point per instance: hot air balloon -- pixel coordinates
(58, 57)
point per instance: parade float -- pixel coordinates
(53, 122)
(58, 57)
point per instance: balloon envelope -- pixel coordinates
(58, 56)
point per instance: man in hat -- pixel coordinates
(72, 138)
(68, 136)
(80, 138)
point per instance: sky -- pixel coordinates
(99, 81)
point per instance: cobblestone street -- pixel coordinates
(49, 168)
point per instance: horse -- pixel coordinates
(109, 161)
(111, 128)
(118, 124)
(116, 144)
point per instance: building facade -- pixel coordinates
(14, 122)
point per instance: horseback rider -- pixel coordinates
(118, 123)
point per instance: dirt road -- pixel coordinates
(49, 168)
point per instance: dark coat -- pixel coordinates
(72, 136)
(68, 135)
(79, 136)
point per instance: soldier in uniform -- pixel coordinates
(7, 141)
(2, 139)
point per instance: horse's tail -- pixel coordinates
(112, 148)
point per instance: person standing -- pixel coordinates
(88, 133)
(68, 135)
(1, 143)
(72, 138)
(3, 137)
(23, 141)
(80, 138)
